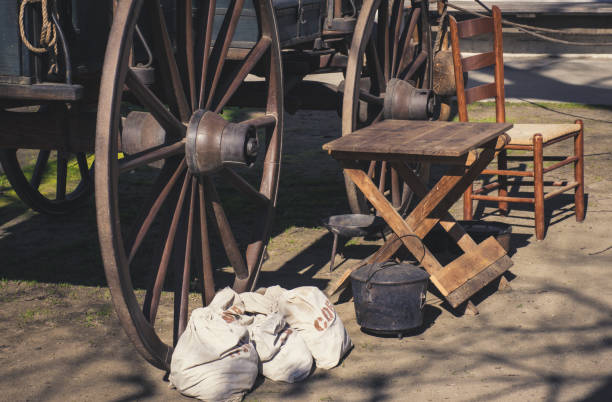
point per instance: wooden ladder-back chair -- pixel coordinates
(524, 137)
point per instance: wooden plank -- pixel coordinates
(46, 91)
(475, 26)
(405, 138)
(47, 130)
(480, 92)
(470, 264)
(482, 279)
(478, 61)
(412, 242)
(446, 220)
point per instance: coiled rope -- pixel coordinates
(529, 29)
(48, 34)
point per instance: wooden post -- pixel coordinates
(579, 173)
(538, 178)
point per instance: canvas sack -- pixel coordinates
(213, 359)
(230, 306)
(282, 352)
(311, 314)
(258, 303)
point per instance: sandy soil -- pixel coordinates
(549, 338)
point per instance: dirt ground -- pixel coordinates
(548, 338)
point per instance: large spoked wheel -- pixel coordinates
(49, 181)
(169, 209)
(389, 42)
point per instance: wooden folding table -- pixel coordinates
(399, 142)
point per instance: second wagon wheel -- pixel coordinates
(161, 227)
(51, 181)
(391, 49)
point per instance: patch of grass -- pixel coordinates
(28, 315)
(353, 242)
(95, 317)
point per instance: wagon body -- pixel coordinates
(148, 86)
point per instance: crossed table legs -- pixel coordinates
(479, 265)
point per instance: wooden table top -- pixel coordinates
(416, 137)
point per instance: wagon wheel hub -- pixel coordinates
(213, 142)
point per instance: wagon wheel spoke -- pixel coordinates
(62, 173)
(225, 231)
(247, 66)
(162, 270)
(397, 19)
(184, 298)
(382, 37)
(207, 281)
(153, 211)
(406, 39)
(245, 187)
(151, 155)
(377, 76)
(155, 106)
(41, 164)
(164, 54)
(185, 47)
(221, 47)
(418, 62)
(207, 21)
(83, 166)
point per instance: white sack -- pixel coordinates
(230, 306)
(213, 359)
(310, 313)
(282, 352)
(257, 303)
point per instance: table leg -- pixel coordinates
(412, 242)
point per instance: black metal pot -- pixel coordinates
(389, 297)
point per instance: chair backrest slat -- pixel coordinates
(478, 61)
(474, 27)
(465, 96)
(480, 92)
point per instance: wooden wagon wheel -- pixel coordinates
(201, 153)
(53, 182)
(389, 42)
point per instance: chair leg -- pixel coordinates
(333, 254)
(538, 179)
(502, 164)
(468, 213)
(579, 173)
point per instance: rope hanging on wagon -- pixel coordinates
(48, 33)
(530, 29)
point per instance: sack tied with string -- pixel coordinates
(213, 360)
(283, 355)
(311, 314)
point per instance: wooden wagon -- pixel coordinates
(148, 87)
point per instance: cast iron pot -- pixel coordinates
(389, 297)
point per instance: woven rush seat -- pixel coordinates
(522, 134)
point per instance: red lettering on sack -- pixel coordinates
(327, 314)
(318, 326)
(236, 310)
(228, 317)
